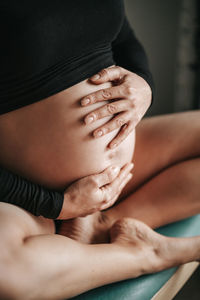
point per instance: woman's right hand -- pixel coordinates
(95, 192)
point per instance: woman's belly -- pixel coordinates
(48, 143)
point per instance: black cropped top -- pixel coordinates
(48, 46)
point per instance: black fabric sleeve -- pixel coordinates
(31, 197)
(130, 54)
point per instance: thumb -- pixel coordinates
(107, 176)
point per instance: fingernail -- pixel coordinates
(95, 77)
(115, 169)
(98, 133)
(89, 120)
(85, 101)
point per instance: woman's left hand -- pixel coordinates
(130, 95)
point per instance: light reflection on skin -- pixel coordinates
(53, 146)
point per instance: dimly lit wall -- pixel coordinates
(156, 24)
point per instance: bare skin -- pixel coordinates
(60, 268)
(132, 97)
(166, 178)
(67, 267)
(29, 245)
(95, 192)
(59, 148)
(164, 188)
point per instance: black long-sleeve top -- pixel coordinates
(48, 46)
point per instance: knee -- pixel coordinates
(17, 279)
(12, 272)
(9, 275)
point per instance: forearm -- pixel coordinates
(29, 196)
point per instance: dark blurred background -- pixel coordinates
(169, 31)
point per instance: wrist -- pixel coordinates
(66, 211)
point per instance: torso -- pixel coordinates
(48, 143)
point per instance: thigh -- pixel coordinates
(162, 141)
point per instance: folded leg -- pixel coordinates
(36, 264)
(165, 186)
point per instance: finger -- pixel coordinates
(126, 180)
(108, 74)
(108, 109)
(112, 188)
(123, 184)
(109, 204)
(122, 135)
(107, 176)
(117, 122)
(124, 172)
(104, 94)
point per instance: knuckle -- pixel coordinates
(91, 98)
(120, 122)
(103, 72)
(110, 126)
(106, 94)
(111, 108)
(119, 69)
(129, 77)
(130, 91)
(95, 115)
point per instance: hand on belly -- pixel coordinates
(48, 143)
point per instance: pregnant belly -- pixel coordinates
(48, 143)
